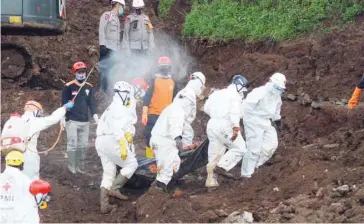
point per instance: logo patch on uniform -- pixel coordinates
(107, 16)
(74, 92)
(127, 20)
(6, 187)
(87, 91)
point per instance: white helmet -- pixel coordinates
(138, 4)
(122, 86)
(279, 81)
(118, 1)
(198, 75)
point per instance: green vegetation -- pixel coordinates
(258, 19)
(164, 7)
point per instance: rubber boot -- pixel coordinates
(71, 161)
(211, 180)
(105, 207)
(119, 182)
(224, 173)
(149, 152)
(80, 162)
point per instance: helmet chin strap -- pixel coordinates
(126, 100)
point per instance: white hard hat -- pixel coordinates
(122, 86)
(279, 80)
(118, 1)
(138, 4)
(198, 75)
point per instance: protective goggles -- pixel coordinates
(194, 77)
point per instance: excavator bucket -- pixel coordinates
(191, 159)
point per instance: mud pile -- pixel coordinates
(316, 174)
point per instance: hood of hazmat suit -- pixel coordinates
(118, 118)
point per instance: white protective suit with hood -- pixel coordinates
(33, 126)
(171, 124)
(113, 124)
(261, 106)
(17, 204)
(224, 108)
(197, 87)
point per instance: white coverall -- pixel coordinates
(261, 106)
(113, 124)
(188, 133)
(33, 126)
(17, 204)
(170, 125)
(224, 109)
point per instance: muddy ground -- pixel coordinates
(321, 147)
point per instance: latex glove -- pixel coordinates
(145, 115)
(129, 137)
(69, 105)
(123, 149)
(179, 143)
(96, 118)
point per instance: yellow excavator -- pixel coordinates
(27, 18)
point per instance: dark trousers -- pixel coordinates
(152, 119)
(104, 68)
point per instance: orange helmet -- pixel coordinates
(35, 107)
(78, 65)
(164, 61)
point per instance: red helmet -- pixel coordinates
(164, 61)
(78, 65)
(39, 187)
(141, 83)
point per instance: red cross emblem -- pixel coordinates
(6, 186)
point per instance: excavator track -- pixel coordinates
(16, 63)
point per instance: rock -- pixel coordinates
(291, 97)
(320, 192)
(315, 105)
(342, 190)
(340, 103)
(306, 100)
(331, 146)
(318, 78)
(221, 213)
(337, 208)
(237, 217)
(209, 216)
(282, 208)
(309, 146)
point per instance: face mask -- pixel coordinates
(121, 11)
(164, 71)
(80, 78)
(138, 11)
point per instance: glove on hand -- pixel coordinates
(96, 118)
(129, 137)
(69, 105)
(123, 149)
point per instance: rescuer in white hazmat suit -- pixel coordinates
(17, 204)
(262, 109)
(114, 143)
(223, 129)
(196, 83)
(172, 125)
(31, 125)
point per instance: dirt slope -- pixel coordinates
(320, 149)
